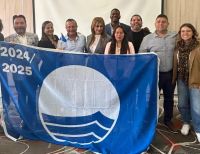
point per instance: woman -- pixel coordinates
(48, 39)
(96, 42)
(1, 28)
(186, 70)
(119, 43)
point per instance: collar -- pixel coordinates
(77, 36)
(21, 35)
(156, 35)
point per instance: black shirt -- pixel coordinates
(137, 37)
(47, 43)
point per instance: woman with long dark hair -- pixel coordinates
(48, 39)
(186, 71)
(119, 43)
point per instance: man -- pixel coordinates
(25, 94)
(73, 41)
(137, 33)
(115, 16)
(21, 36)
(162, 42)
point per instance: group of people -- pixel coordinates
(179, 55)
(102, 38)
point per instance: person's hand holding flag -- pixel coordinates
(61, 42)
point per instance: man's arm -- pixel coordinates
(36, 40)
(144, 45)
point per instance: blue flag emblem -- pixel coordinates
(87, 107)
(102, 103)
(62, 38)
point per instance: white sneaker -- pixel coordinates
(20, 137)
(185, 129)
(198, 136)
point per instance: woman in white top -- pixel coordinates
(119, 43)
(96, 42)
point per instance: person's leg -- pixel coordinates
(165, 83)
(168, 97)
(184, 106)
(195, 110)
(183, 101)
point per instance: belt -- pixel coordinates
(166, 72)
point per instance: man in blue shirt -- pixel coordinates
(162, 42)
(73, 41)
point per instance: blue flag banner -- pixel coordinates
(104, 103)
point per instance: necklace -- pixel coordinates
(118, 49)
(118, 46)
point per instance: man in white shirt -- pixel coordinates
(73, 41)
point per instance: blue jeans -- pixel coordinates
(189, 104)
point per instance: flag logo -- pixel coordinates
(85, 108)
(62, 38)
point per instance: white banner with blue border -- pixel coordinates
(103, 103)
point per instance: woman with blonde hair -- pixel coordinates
(97, 40)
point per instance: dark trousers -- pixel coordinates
(165, 84)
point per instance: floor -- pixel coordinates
(165, 142)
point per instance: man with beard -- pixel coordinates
(21, 36)
(115, 16)
(26, 85)
(137, 33)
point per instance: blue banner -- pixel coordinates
(103, 103)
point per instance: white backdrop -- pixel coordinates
(83, 11)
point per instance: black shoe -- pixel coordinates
(171, 127)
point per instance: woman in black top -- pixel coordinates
(48, 39)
